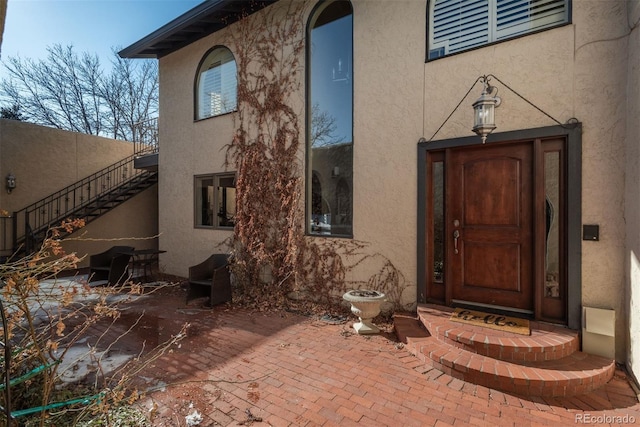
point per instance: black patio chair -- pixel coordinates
(211, 278)
(110, 267)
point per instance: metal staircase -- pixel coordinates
(89, 199)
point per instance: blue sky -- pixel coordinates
(93, 26)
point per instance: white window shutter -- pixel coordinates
(516, 17)
(458, 25)
(217, 84)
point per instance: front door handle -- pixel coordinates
(456, 234)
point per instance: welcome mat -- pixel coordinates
(492, 321)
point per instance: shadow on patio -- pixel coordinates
(237, 367)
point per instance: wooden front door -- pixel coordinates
(489, 226)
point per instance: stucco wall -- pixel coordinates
(187, 149)
(389, 46)
(578, 70)
(601, 51)
(45, 160)
(386, 75)
(632, 198)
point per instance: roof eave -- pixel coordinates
(150, 46)
(137, 50)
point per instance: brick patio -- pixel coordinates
(236, 367)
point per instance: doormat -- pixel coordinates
(492, 321)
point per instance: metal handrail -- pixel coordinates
(52, 209)
(6, 237)
(146, 137)
(36, 218)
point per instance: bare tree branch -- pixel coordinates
(73, 92)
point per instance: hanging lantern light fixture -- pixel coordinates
(484, 110)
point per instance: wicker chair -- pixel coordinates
(211, 278)
(110, 266)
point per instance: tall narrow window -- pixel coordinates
(459, 25)
(553, 249)
(330, 120)
(436, 264)
(437, 217)
(216, 85)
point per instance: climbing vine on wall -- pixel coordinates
(265, 151)
(272, 255)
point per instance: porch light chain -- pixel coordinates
(455, 109)
(569, 124)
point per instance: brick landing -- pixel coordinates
(546, 363)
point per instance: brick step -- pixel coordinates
(575, 374)
(546, 342)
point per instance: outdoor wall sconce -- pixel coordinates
(335, 172)
(484, 110)
(11, 183)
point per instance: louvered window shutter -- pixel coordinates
(217, 85)
(228, 87)
(514, 17)
(458, 25)
(210, 91)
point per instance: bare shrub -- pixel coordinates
(44, 321)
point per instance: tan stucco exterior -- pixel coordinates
(45, 160)
(632, 199)
(580, 71)
(586, 70)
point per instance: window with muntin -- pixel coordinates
(215, 200)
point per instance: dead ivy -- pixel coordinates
(44, 323)
(265, 150)
(272, 257)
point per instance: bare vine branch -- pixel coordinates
(272, 255)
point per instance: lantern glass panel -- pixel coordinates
(484, 115)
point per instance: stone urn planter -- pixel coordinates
(366, 305)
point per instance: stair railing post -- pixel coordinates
(14, 232)
(27, 243)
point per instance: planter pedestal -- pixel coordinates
(366, 305)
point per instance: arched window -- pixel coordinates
(459, 25)
(216, 84)
(330, 119)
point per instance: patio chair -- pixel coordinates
(212, 279)
(110, 266)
